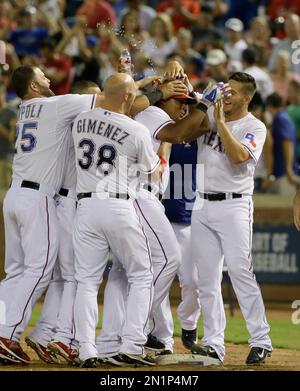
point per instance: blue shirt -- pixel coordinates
(282, 129)
(28, 41)
(180, 194)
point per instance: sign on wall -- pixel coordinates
(276, 254)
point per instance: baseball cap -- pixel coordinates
(234, 24)
(186, 98)
(216, 57)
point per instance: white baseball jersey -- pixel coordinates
(42, 129)
(220, 175)
(70, 177)
(110, 148)
(155, 119)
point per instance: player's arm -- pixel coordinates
(196, 123)
(164, 91)
(297, 209)
(236, 151)
(188, 129)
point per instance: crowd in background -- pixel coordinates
(73, 40)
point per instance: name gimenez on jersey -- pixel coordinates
(32, 111)
(102, 128)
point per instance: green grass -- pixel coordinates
(284, 333)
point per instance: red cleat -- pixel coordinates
(13, 349)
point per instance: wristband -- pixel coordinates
(201, 106)
(154, 97)
(163, 162)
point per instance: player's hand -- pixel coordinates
(214, 92)
(172, 88)
(173, 71)
(149, 80)
(297, 210)
(219, 113)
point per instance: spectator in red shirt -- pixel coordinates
(184, 13)
(56, 68)
(97, 11)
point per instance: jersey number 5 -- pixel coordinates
(105, 157)
(28, 140)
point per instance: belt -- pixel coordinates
(63, 192)
(123, 196)
(30, 185)
(149, 188)
(219, 196)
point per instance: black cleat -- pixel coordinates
(189, 338)
(118, 361)
(139, 359)
(257, 356)
(90, 363)
(154, 344)
(163, 353)
(205, 351)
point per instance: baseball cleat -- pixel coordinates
(90, 363)
(118, 361)
(139, 359)
(8, 359)
(257, 356)
(205, 351)
(13, 349)
(189, 338)
(70, 355)
(43, 352)
(163, 353)
(154, 344)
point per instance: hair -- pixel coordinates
(257, 101)
(80, 86)
(167, 22)
(247, 80)
(138, 29)
(249, 56)
(21, 79)
(274, 100)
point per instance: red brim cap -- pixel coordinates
(187, 99)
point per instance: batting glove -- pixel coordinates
(214, 92)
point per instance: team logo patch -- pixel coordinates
(251, 139)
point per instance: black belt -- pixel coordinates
(30, 185)
(159, 195)
(218, 196)
(63, 192)
(123, 196)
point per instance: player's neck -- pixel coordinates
(236, 116)
(112, 106)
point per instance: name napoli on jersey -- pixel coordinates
(32, 111)
(102, 128)
(213, 140)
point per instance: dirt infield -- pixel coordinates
(281, 360)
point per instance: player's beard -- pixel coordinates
(47, 92)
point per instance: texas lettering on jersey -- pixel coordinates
(213, 140)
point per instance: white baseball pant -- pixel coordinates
(165, 258)
(224, 228)
(189, 307)
(31, 250)
(57, 318)
(101, 225)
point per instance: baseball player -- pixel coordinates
(53, 336)
(156, 226)
(222, 219)
(29, 207)
(108, 144)
(178, 202)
